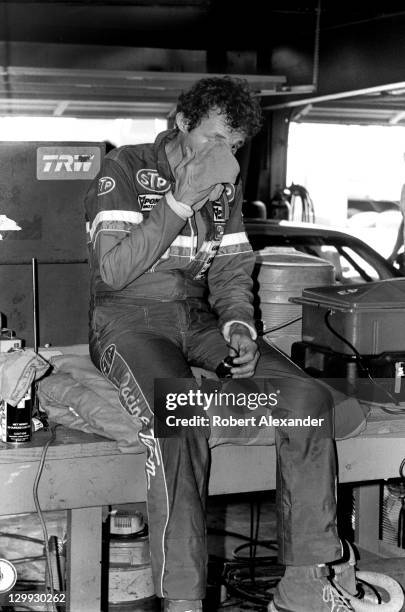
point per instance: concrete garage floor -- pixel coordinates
(233, 514)
(225, 513)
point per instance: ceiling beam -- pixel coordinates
(390, 88)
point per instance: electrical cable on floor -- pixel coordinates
(251, 578)
(239, 583)
(362, 365)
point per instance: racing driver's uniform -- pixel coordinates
(166, 285)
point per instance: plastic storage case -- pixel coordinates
(371, 316)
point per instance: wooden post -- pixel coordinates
(367, 504)
(83, 591)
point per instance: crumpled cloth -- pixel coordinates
(18, 370)
(78, 396)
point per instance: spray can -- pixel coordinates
(15, 421)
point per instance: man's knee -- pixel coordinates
(305, 397)
(316, 399)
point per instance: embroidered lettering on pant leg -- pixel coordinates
(133, 400)
(107, 359)
(130, 396)
(152, 459)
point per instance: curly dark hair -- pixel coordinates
(230, 95)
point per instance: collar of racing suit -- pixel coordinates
(163, 166)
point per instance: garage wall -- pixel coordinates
(42, 186)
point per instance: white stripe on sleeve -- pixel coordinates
(127, 216)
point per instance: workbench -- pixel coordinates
(82, 473)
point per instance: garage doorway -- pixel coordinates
(354, 175)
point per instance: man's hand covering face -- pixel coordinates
(201, 174)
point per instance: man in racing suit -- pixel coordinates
(171, 287)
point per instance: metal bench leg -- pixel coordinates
(367, 504)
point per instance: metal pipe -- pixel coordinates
(35, 303)
(315, 71)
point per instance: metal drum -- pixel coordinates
(281, 274)
(130, 575)
(131, 586)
